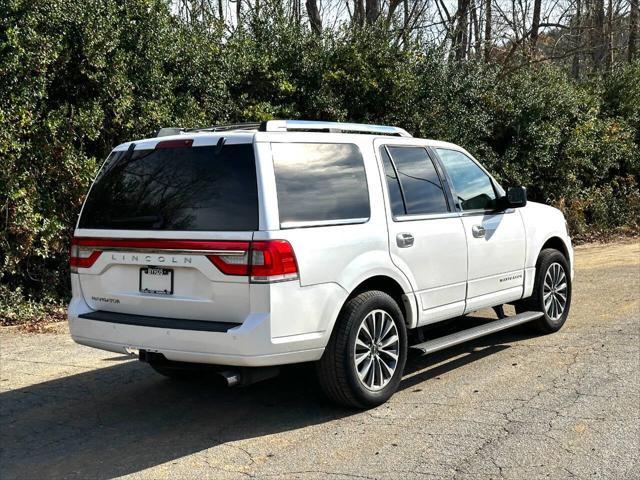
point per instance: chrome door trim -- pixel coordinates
(474, 213)
(430, 216)
(324, 223)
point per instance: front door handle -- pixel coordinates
(404, 240)
(478, 231)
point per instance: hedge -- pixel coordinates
(78, 78)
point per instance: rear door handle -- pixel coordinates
(404, 240)
(478, 231)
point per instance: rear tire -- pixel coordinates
(363, 363)
(551, 292)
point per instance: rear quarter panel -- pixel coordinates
(344, 255)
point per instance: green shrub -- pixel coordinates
(78, 78)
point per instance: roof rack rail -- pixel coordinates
(163, 132)
(333, 127)
(227, 127)
(293, 126)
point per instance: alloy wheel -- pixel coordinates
(376, 350)
(554, 291)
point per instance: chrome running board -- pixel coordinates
(457, 338)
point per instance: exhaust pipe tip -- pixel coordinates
(244, 376)
(233, 377)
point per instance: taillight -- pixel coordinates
(82, 256)
(267, 261)
(273, 261)
(261, 261)
(232, 263)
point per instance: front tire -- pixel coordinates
(363, 363)
(551, 292)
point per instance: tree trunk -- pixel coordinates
(465, 36)
(220, 11)
(598, 41)
(474, 31)
(358, 12)
(609, 43)
(487, 32)
(393, 6)
(314, 16)
(634, 30)
(373, 11)
(535, 25)
(460, 37)
(577, 33)
(405, 22)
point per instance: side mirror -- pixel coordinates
(516, 197)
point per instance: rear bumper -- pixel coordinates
(158, 322)
(248, 344)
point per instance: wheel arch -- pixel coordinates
(556, 243)
(554, 240)
(391, 287)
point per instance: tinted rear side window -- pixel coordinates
(320, 182)
(395, 194)
(176, 189)
(421, 186)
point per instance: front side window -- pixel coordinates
(472, 185)
(320, 182)
(419, 181)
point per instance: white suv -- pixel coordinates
(258, 245)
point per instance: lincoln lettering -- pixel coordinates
(155, 259)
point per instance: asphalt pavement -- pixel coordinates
(512, 405)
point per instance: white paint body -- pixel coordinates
(446, 273)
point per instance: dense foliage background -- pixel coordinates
(77, 78)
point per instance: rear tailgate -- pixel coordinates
(165, 231)
(166, 278)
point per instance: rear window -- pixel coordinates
(320, 182)
(187, 188)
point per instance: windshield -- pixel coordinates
(186, 188)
